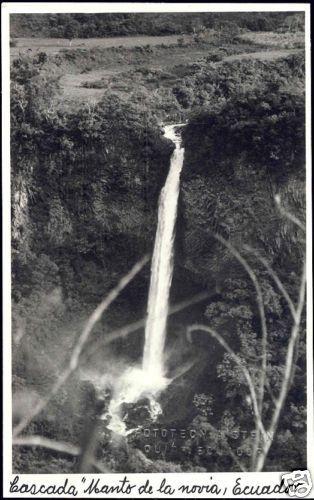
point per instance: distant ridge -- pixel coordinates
(107, 25)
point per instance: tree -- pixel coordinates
(293, 23)
(71, 31)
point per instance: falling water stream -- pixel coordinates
(150, 379)
(162, 264)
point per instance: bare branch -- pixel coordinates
(274, 276)
(234, 456)
(74, 360)
(286, 381)
(43, 442)
(89, 446)
(50, 444)
(261, 308)
(287, 214)
(237, 360)
(270, 391)
(226, 445)
(126, 330)
(102, 307)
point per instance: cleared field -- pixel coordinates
(165, 59)
(72, 83)
(54, 45)
(284, 40)
(72, 89)
(263, 54)
(88, 60)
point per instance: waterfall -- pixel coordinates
(162, 263)
(150, 379)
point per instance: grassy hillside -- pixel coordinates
(89, 68)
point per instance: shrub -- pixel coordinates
(214, 57)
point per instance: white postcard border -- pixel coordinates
(225, 480)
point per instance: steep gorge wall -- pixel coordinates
(92, 199)
(238, 157)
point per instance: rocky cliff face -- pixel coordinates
(238, 157)
(93, 190)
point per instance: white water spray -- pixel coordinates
(149, 380)
(162, 264)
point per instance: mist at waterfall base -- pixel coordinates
(150, 379)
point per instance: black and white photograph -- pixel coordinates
(159, 199)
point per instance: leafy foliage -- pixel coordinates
(101, 25)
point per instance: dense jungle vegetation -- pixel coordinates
(103, 25)
(85, 184)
